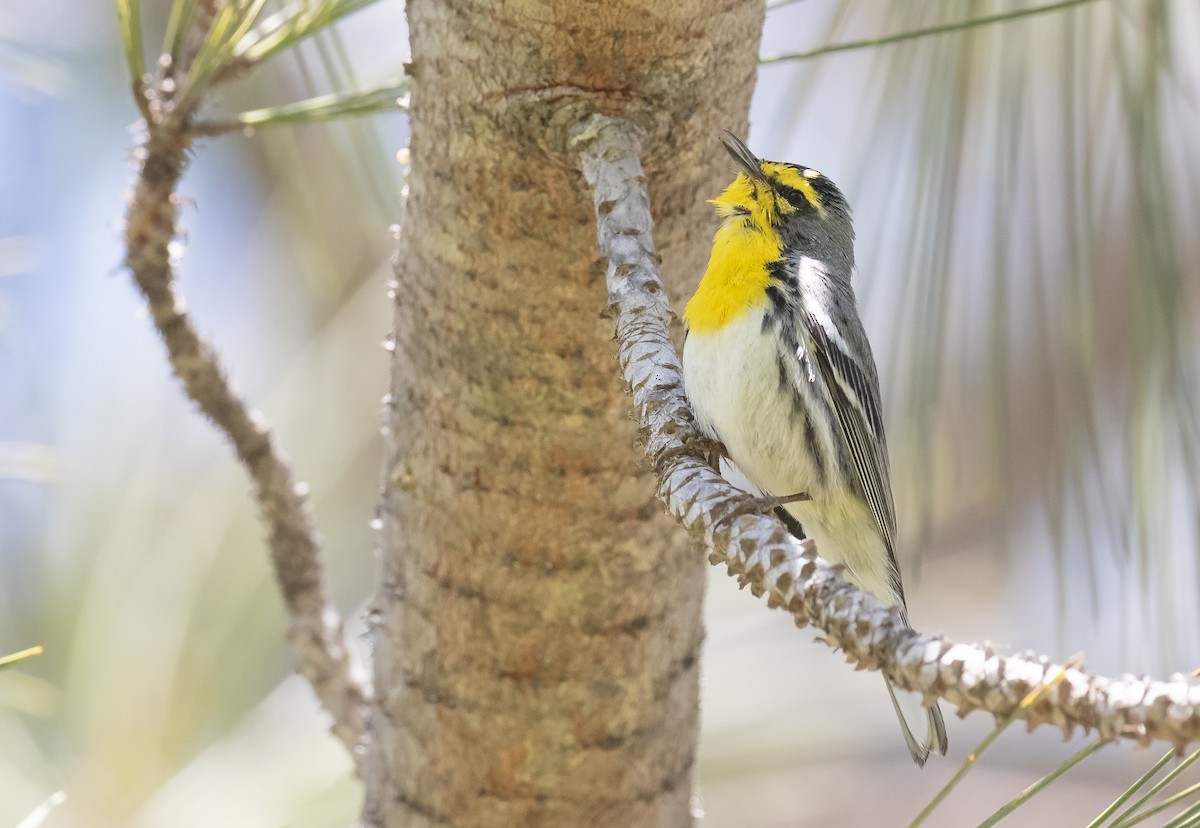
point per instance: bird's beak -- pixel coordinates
(743, 156)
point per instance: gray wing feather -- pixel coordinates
(854, 391)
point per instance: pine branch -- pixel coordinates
(761, 554)
(316, 630)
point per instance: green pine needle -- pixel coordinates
(231, 27)
(129, 18)
(312, 110)
(288, 28)
(1131, 790)
(987, 741)
(177, 23)
(900, 37)
(13, 658)
(1131, 815)
(1189, 818)
(1184, 819)
(1040, 785)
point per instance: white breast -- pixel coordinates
(732, 379)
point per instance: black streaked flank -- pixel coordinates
(814, 449)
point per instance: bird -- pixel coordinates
(780, 375)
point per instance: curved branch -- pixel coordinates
(761, 554)
(315, 628)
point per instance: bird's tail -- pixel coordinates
(924, 729)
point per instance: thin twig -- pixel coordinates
(315, 628)
(900, 37)
(313, 110)
(764, 556)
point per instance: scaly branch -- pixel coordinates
(315, 629)
(760, 553)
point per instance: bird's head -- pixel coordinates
(806, 209)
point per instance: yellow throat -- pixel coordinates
(737, 278)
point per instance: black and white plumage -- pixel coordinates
(779, 370)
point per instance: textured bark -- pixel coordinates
(538, 627)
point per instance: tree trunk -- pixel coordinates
(538, 630)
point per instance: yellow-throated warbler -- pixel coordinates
(778, 369)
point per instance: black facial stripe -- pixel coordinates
(794, 197)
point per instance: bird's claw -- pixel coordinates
(765, 504)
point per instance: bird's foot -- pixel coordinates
(766, 503)
(776, 502)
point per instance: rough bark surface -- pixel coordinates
(538, 629)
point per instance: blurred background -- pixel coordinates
(1027, 198)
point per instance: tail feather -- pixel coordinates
(923, 727)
